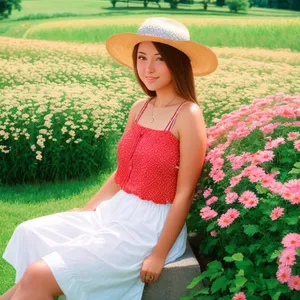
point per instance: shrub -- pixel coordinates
(236, 5)
(248, 201)
(50, 133)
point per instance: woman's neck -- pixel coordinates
(163, 97)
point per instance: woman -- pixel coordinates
(135, 224)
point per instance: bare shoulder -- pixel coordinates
(134, 110)
(137, 105)
(190, 119)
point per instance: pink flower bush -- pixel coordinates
(252, 192)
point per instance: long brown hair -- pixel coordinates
(180, 67)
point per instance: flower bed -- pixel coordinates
(248, 202)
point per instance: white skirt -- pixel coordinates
(97, 254)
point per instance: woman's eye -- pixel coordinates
(139, 57)
(160, 58)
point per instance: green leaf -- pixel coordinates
(228, 258)
(215, 265)
(204, 291)
(219, 283)
(294, 171)
(196, 280)
(275, 254)
(298, 251)
(245, 265)
(230, 248)
(261, 190)
(238, 256)
(272, 283)
(254, 247)
(251, 229)
(211, 226)
(251, 287)
(240, 281)
(276, 296)
(297, 165)
(291, 220)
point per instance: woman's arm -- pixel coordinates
(193, 144)
(107, 191)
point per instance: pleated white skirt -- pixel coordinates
(98, 254)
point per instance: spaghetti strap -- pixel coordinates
(142, 110)
(172, 120)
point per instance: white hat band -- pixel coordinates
(167, 29)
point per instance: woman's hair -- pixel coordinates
(180, 67)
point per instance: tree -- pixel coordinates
(220, 3)
(235, 5)
(174, 4)
(6, 7)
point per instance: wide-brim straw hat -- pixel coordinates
(163, 30)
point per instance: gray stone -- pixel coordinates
(174, 278)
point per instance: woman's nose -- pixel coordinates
(150, 66)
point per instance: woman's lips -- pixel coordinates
(151, 79)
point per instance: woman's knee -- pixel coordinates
(39, 278)
(32, 277)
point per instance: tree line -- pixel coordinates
(7, 6)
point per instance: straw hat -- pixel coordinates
(164, 30)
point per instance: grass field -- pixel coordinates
(257, 56)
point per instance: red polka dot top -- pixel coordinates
(148, 161)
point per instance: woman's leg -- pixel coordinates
(8, 295)
(37, 283)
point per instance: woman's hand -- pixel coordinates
(151, 268)
(78, 209)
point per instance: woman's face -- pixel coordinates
(151, 67)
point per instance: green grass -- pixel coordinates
(24, 202)
(277, 34)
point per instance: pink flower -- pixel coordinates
(211, 200)
(297, 145)
(291, 240)
(239, 296)
(232, 213)
(224, 221)
(235, 180)
(207, 213)
(274, 143)
(262, 156)
(287, 257)
(276, 213)
(283, 274)
(227, 190)
(249, 199)
(294, 283)
(231, 197)
(207, 192)
(213, 233)
(218, 163)
(293, 135)
(217, 175)
(291, 191)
